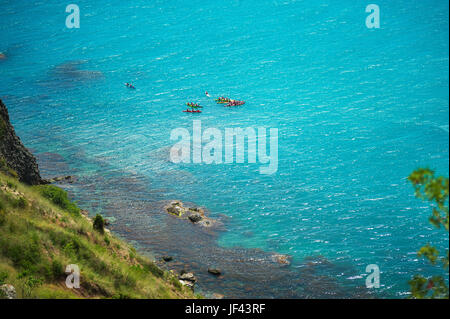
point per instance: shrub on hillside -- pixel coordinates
(6, 169)
(2, 217)
(99, 223)
(59, 197)
(20, 203)
(3, 277)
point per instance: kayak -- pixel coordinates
(223, 100)
(193, 105)
(192, 111)
(236, 103)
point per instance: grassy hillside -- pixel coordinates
(41, 232)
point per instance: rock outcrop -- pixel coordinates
(15, 159)
(187, 279)
(195, 215)
(282, 259)
(8, 292)
(214, 271)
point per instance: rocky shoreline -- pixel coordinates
(180, 256)
(180, 236)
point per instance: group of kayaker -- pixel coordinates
(235, 103)
(220, 100)
(228, 101)
(194, 107)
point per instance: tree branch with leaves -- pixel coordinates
(433, 189)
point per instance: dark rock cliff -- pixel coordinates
(15, 159)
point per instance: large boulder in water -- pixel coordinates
(196, 215)
(214, 271)
(195, 218)
(15, 159)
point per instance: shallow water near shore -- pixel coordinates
(356, 109)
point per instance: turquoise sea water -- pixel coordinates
(356, 110)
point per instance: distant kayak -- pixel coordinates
(235, 103)
(223, 100)
(192, 111)
(131, 86)
(195, 105)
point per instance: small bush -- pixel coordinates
(60, 198)
(57, 269)
(2, 217)
(25, 255)
(155, 270)
(20, 203)
(5, 168)
(3, 277)
(176, 283)
(11, 185)
(99, 223)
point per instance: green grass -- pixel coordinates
(42, 231)
(4, 168)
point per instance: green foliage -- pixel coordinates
(3, 277)
(155, 270)
(29, 285)
(2, 217)
(176, 283)
(24, 255)
(99, 223)
(60, 198)
(11, 185)
(4, 167)
(57, 269)
(37, 241)
(20, 202)
(435, 190)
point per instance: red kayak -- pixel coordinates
(192, 111)
(235, 103)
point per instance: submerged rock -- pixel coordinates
(195, 218)
(282, 259)
(194, 214)
(214, 271)
(8, 291)
(175, 210)
(167, 258)
(66, 179)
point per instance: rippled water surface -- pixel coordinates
(356, 110)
